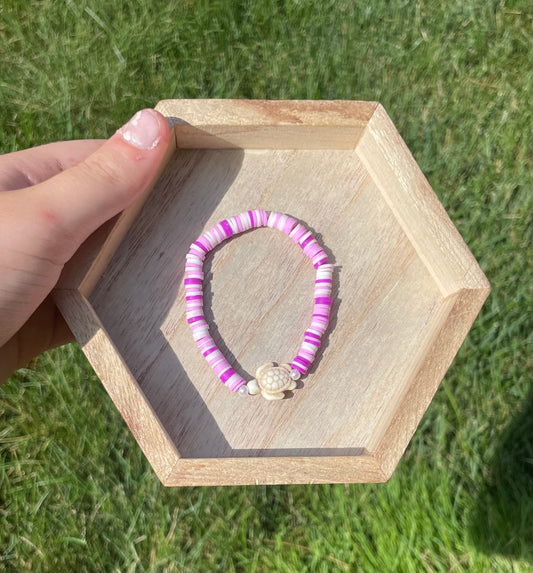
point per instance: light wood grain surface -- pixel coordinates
(406, 290)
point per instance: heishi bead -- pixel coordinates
(214, 237)
(289, 225)
(199, 333)
(273, 219)
(220, 232)
(194, 313)
(305, 239)
(199, 245)
(193, 285)
(227, 374)
(312, 332)
(297, 233)
(221, 367)
(280, 223)
(206, 342)
(232, 379)
(233, 224)
(192, 267)
(252, 218)
(308, 347)
(195, 274)
(245, 221)
(194, 292)
(205, 241)
(211, 237)
(312, 249)
(197, 251)
(323, 286)
(226, 227)
(237, 384)
(194, 277)
(210, 351)
(320, 261)
(215, 358)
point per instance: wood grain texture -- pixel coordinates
(463, 307)
(417, 208)
(261, 471)
(118, 382)
(259, 124)
(406, 290)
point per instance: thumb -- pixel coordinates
(80, 199)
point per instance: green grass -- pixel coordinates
(76, 493)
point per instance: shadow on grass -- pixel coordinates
(503, 523)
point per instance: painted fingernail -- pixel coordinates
(142, 130)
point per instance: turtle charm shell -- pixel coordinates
(272, 381)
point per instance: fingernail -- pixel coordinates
(142, 130)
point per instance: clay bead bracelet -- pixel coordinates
(271, 381)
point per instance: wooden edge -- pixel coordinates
(262, 124)
(257, 112)
(90, 260)
(279, 470)
(118, 381)
(426, 347)
(410, 409)
(417, 207)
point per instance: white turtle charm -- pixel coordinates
(272, 381)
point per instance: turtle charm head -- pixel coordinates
(272, 381)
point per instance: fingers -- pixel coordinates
(77, 201)
(43, 224)
(37, 164)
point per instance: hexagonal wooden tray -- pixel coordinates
(406, 291)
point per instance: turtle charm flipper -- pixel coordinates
(272, 381)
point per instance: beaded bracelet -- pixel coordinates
(271, 380)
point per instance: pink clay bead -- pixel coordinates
(221, 367)
(235, 385)
(305, 239)
(199, 311)
(297, 233)
(189, 313)
(280, 223)
(313, 249)
(215, 357)
(289, 225)
(194, 260)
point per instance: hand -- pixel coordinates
(51, 199)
